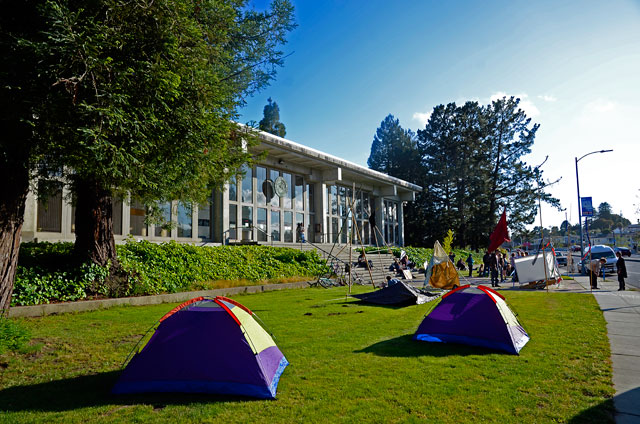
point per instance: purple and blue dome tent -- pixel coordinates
(477, 316)
(205, 346)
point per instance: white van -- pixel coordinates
(603, 251)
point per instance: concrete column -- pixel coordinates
(174, 220)
(29, 227)
(126, 216)
(194, 224)
(400, 223)
(320, 206)
(66, 233)
(225, 214)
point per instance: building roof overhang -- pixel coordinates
(290, 151)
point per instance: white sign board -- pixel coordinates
(529, 271)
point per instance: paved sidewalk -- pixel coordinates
(621, 310)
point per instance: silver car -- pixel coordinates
(603, 251)
(561, 258)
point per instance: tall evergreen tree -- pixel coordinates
(473, 167)
(270, 121)
(394, 150)
(133, 97)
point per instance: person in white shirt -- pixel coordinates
(594, 269)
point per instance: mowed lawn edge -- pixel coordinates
(350, 362)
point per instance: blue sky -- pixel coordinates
(575, 65)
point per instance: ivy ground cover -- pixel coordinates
(349, 363)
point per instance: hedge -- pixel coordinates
(47, 272)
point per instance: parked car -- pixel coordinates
(625, 251)
(575, 248)
(561, 258)
(603, 251)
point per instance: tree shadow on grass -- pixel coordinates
(89, 391)
(405, 346)
(622, 408)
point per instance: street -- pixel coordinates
(633, 271)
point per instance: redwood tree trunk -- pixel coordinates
(94, 235)
(13, 195)
(94, 224)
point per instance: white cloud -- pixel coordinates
(422, 117)
(600, 106)
(525, 104)
(547, 98)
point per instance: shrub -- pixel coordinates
(171, 266)
(46, 272)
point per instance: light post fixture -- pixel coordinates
(580, 203)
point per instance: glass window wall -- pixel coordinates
(288, 226)
(137, 219)
(299, 221)
(163, 228)
(204, 220)
(247, 184)
(299, 193)
(233, 189)
(275, 200)
(185, 220)
(261, 177)
(233, 222)
(262, 224)
(287, 197)
(275, 225)
(247, 223)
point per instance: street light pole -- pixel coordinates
(580, 203)
(580, 218)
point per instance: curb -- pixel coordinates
(92, 305)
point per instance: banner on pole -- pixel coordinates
(586, 206)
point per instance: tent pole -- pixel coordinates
(359, 237)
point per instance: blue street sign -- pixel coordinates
(586, 206)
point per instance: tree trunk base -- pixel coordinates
(13, 195)
(94, 235)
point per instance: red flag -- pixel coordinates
(500, 233)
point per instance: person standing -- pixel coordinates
(300, 229)
(493, 266)
(470, 263)
(485, 261)
(501, 266)
(594, 270)
(621, 267)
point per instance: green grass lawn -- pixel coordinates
(349, 363)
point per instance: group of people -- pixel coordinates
(493, 263)
(595, 266)
(499, 266)
(404, 263)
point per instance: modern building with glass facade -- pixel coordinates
(293, 185)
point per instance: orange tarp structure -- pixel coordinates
(441, 273)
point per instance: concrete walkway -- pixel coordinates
(621, 310)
